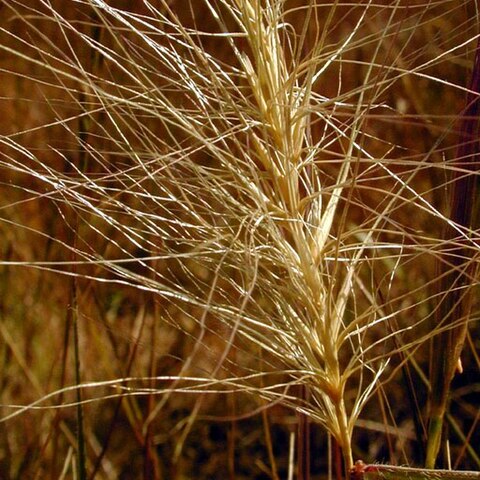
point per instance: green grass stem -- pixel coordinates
(457, 269)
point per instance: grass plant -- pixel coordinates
(249, 200)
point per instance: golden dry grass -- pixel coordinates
(243, 202)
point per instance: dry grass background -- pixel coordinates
(131, 324)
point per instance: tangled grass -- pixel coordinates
(246, 167)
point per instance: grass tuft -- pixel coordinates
(248, 197)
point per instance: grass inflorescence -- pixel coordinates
(234, 202)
